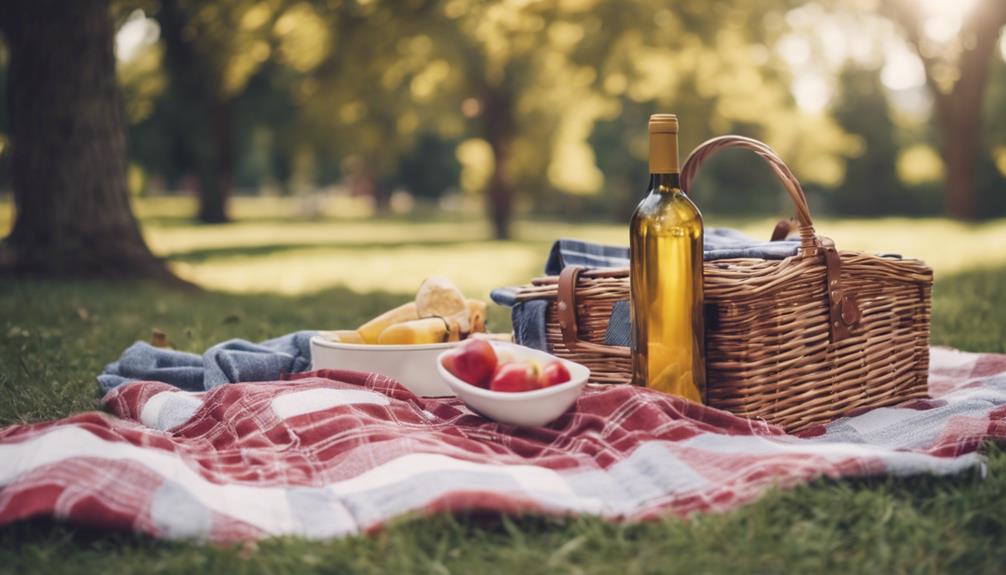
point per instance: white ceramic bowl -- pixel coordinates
(527, 408)
(414, 366)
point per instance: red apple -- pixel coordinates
(554, 373)
(474, 362)
(516, 376)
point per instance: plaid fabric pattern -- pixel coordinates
(331, 453)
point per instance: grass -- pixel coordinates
(55, 336)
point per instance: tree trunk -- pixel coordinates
(218, 169)
(68, 149)
(370, 184)
(960, 149)
(499, 124)
(500, 191)
(203, 114)
(959, 111)
(959, 116)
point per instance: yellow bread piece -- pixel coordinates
(476, 315)
(343, 336)
(438, 296)
(417, 331)
(453, 330)
(371, 331)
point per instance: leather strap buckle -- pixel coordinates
(566, 305)
(843, 309)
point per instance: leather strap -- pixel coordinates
(566, 305)
(782, 230)
(843, 309)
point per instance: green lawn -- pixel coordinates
(269, 275)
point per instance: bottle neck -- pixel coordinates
(665, 183)
(663, 152)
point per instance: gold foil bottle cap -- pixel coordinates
(663, 124)
(663, 144)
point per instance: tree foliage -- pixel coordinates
(528, 102)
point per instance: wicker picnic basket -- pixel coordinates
(797, 341)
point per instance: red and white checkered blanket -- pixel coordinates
(333, 453)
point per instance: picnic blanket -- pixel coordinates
(330, 453)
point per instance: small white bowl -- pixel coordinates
(414, 366)
(527, 408)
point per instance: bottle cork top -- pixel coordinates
(663, 124)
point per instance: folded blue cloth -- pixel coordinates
(718, 244)
(228, 362)
(529, 316)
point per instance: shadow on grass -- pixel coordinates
(416, 217)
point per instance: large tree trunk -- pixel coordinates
(218, 169)
(959, 112)
(68, 149)
(499, 125)
(203, 126)
(370, 184)
(960, 149)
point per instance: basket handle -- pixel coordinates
(844, 312)
(808, 240)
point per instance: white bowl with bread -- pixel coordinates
(403, 343)
(414, 366)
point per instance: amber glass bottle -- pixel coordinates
(666, 273)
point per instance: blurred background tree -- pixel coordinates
(957, 68)
(871, 185)
(67, 145)
(211, 49)
(538, 106)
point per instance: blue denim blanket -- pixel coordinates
(227, 362)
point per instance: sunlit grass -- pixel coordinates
(365, 254)
(476, 267)
(272, 247)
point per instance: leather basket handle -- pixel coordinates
(566, 304)
(566, 308)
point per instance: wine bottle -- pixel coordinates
(668, 354)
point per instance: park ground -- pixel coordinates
(270, 273)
